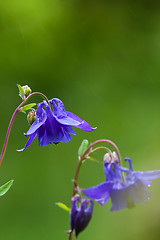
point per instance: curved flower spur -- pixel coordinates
(54, 126)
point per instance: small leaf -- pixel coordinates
(21, 91)
(4, 188)
(63, 206)
(92, 159)
(83, 147)
(27, 107)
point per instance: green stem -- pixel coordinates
(12, 119)
(99, 148)
(38, 93)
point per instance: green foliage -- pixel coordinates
(21, 91)
(92, 159)
(63, 206)
(28, 107)
(83, 147)
(4, 188)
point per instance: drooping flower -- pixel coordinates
(123, 191)
(54, 126)
(80, 215)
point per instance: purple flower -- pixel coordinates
(123, 191)
(54, 126)
(80, 216)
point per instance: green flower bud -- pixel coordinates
(27, 90)
(31, 117)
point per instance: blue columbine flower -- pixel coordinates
(123, 191)
(54, 126)
(80, 215)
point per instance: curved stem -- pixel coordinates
(83, 156)
(38, 93)
(99, 148)
(8, 132)
(100, 141)
(12, 119)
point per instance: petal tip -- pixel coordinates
(20, 150)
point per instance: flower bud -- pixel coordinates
(110, 158)
(107, 157)
(80, 215)
(27, 90)
(115, 157)
(31, 117)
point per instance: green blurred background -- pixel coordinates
(102, 59)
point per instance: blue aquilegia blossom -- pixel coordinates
(123, 191)
(80, 215)
(54, 126)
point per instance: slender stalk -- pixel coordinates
(12, 119)
(99, 148)
(38, 93)
(70, 235)
(8, 132)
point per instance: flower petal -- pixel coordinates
(84, 216)
(60, 114)
(148, 175)
(98, 191)
(40, 119)
(31, 138)
(82, 124)
(67, 130)
(66, 136)
(67, 121)
(53, 128)
(74, 212)
(58, 107)
(139, 193)
(42, 136)
(104, 199)
(112, 172)
(119, 199)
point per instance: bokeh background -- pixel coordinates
(102, 59)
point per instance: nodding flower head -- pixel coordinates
(124, 191)
(81, 214)
(54, 126)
